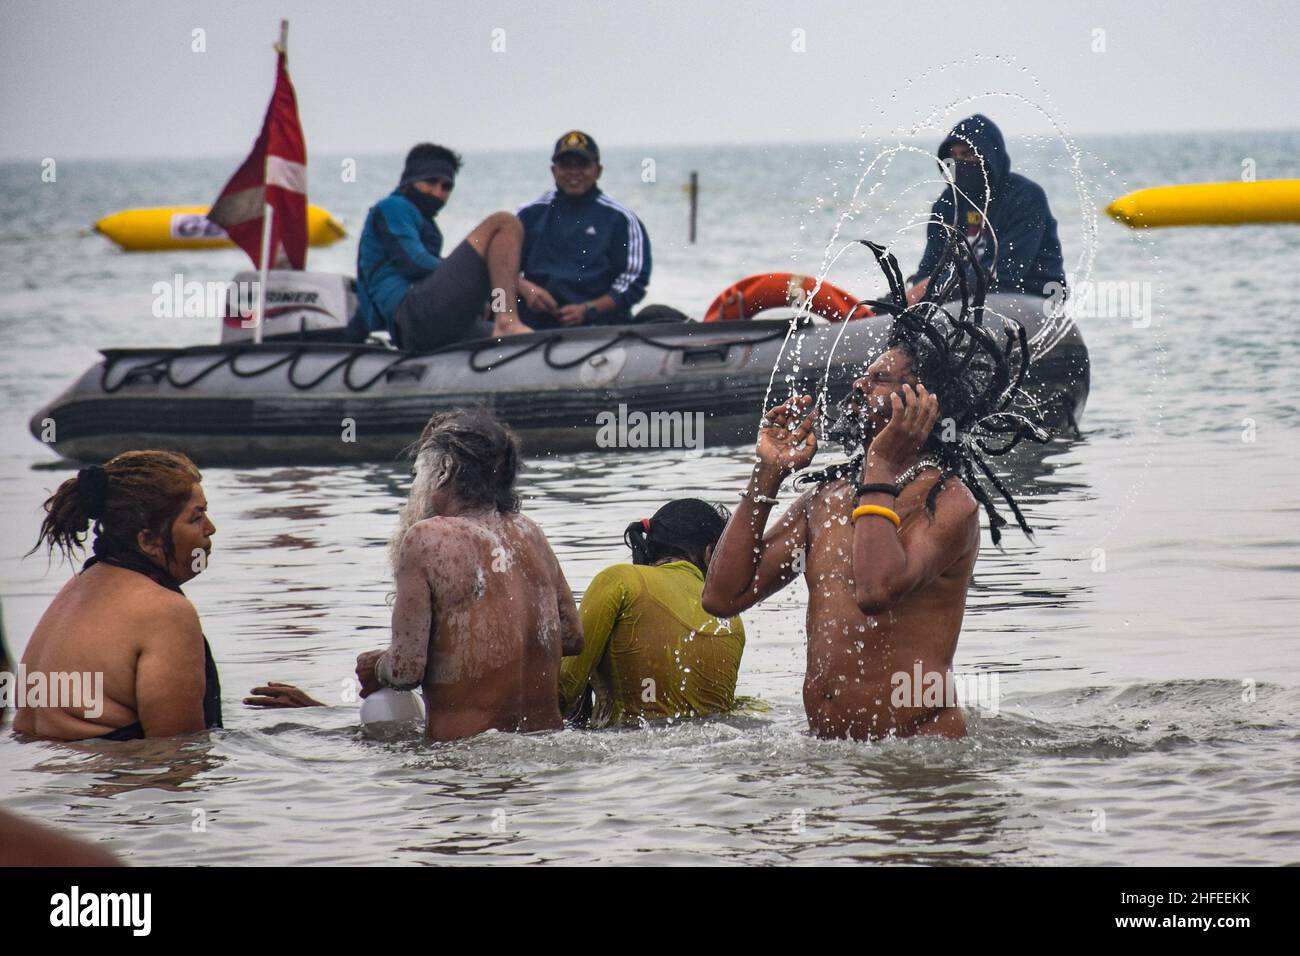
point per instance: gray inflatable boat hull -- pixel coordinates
(562, 391)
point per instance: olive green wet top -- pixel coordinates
(650, 649)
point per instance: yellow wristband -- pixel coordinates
(889, 513)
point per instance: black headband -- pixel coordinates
(427, 169)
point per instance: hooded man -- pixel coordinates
(404, 283)
(1004, 215)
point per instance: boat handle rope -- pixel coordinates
(549, 343)
(163, 364)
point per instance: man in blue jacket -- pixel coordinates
(1004, 215)
(404, 283)
(586, 258)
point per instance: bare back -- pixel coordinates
(482, 617)
(140, 641)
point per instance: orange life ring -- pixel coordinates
(783, 290)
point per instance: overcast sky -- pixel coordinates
(122, 79)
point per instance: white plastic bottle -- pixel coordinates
(387, 708)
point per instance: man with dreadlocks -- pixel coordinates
(887, 541)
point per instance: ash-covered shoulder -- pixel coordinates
(461, 538)
(439, 538)
(525, 524)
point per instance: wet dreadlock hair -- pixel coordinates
(682, 529)
(984, 410)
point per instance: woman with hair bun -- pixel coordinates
(651, 651)
(123, 618)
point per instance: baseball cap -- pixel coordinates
(576, 142)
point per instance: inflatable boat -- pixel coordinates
(685, 384)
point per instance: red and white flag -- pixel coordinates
(274, 174)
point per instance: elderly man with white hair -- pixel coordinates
(483, 613)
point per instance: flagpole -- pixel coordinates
(265, 258)
(267, 215)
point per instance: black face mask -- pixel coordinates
(426, 203)
(969, 177)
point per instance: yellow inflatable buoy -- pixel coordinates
(1210, 204)
(187, 227)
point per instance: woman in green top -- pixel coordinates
(650, 650)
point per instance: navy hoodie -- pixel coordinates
(1028, 250)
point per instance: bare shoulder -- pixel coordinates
(25, 843)
(160, 620)
(824, 501)
(174, 611)
(530, 535)
(955, 502)
(528, 528)
(956, 512)
(139, 598)
(523, 521)
(436, 537)
(825, 494)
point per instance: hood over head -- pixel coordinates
(981, 134)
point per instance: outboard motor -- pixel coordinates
(299, 305)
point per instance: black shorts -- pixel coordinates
(445, 306)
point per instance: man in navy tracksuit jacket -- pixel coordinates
(1017, 242)
(586, 258)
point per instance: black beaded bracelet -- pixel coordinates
(894, 490)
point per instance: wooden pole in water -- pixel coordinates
(694, 190)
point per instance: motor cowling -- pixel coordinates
(297, 304)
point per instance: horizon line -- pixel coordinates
(703, 144)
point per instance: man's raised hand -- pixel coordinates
(786, 440)
(911, 419)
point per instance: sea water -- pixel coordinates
(1145, 646)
